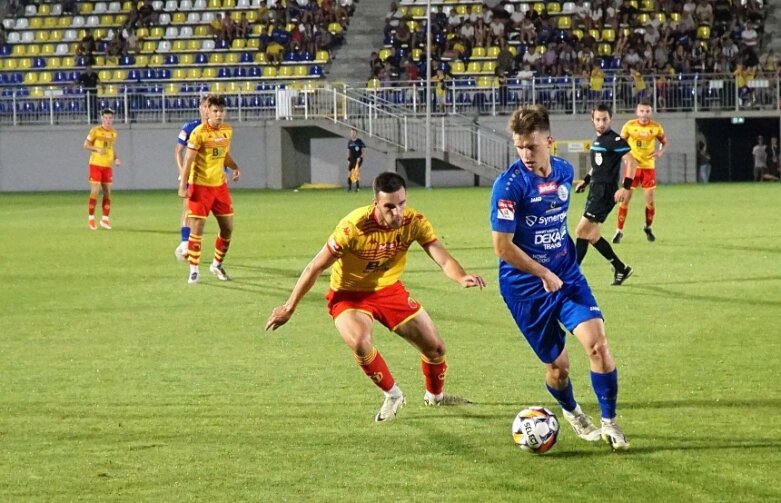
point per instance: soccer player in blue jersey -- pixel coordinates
(539, 277)
(181, 149)
(607, 151)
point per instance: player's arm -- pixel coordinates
(630, 167)
(451, 267)
(189, 159)
(179, 154)
(581, 186)
(505, 249)
(663, 146)
(281, 314)
(89, 144)
(230, 163)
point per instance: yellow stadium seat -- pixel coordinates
(648, 5)
(120, 19)
(553, 8)
(229, 4)
(484, 81)
(418, 11)
(30, 78)
(539, 7)
(157, 60)
(36, 92)
(178, 45)
(64, 22)
(218, 87)
(385, 53)
(661, 17)
(373, 83)
(473, 67)
(596, 34)
(457, 67)
(44, 77)
(9, 63)
(109, 90)
(608, 35)
(643, 18)
(50, 22)
(179, 18)
(209, 73)
(285, 71)
(564, 22)
(252, 16)
(47, 49)
(68, 62)
(215, 4)
(201, 31)
(156, 32)
(19, 50)
(33, 50)
(301, 71)
(99, 33)
(247, 87)
(186, 59)
(55, 35)
(171, 88)
(179, 73)
(54, 62)
(194, 44)
(194, 73)
(232, 58)
(216, 58)
(238, 44)
(478, 52)
(269, 71)
(107, 20)
(253, 43)
(493, 52)
(100, 60)
(417, 54)
(675, 16)
(462, 9)
(489, 66)
(25, 63)
(35, 23)
(119, 75)
(477, 8)
(577, 33)
(703, 32)
(148, 46)
(260, 57)
(104, 75)
(85, 7)
(604, 49)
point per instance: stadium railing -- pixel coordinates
(562, 95)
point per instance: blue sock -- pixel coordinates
(565, 397)
(185, 234)
(606, 388)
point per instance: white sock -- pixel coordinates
(395, 391)
(436, 398)
(193, 268)
(91, 217)
(215, 263)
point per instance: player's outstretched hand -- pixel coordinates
(580, 187)
(551, 283)
(472, 280)
(279, 316)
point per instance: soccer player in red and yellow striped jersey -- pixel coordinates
(101, 141)
(642, 134)
(208, 153)
(367, 253)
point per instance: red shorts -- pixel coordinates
(100, 174)
(391, 306)
(204, 199)
(645, 178)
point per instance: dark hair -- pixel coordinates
(603, 107)
(645, 102)
(107, 111)
(389, 183)
(215, 99)
(528, 119)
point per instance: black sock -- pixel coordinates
(581, 246)
(349, 183)
(606, 250)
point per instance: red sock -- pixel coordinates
(221, 248)
(194, 249)
(106, 206)
(376, 369)
(622, 212)
(434, 371)
(650, 211)
(93, 202)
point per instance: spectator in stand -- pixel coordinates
(228, 28)
(632, 58)
(402, 38)
(242, 28)
(703, 13)
(651, 34)
(413, 74)
(147, 15)
(496, 30)
(661, 56)
(528, 32)
(393, 18)
(533, 59)
(768, 62)
(89, 80)
(467, 32)
(749, 36)
(505, 61)
(69, 7)
(549, 60)
(729, 49)
(115, 46)
(516, 17)
(132, 44)
(722, 14)
(482, 34)
(375, 64)
(215, 27)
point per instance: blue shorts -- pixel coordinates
(540, 319)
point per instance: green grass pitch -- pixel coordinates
(120, 382)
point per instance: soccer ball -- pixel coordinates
(535, 429)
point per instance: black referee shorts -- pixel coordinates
(600, 201)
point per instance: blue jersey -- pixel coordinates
(534, 210)
(186, 131)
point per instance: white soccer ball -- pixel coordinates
(535, 429)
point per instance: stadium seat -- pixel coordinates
(171, 6)
(478, 52)
(216, 58)
(473, 67)
(202, 58)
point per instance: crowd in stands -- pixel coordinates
(580, 39)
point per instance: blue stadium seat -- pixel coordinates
(149, 74)
(133, 74)
(307, 56)
(59, 76)
(172, 59)
(127, 60)
(240, 72)
(316, 70)
(39, 62)
(255, 72)
(221, 44)
(246, 58)
(5, 50)
(74, 106)
(164, 73)
(224, 73)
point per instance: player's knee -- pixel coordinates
(436, 350)
(558, 373)
(599, 351)
(361, 344)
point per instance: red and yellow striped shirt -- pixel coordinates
(371, 256)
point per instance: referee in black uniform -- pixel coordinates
(607, 151)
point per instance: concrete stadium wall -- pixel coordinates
(270, 154)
